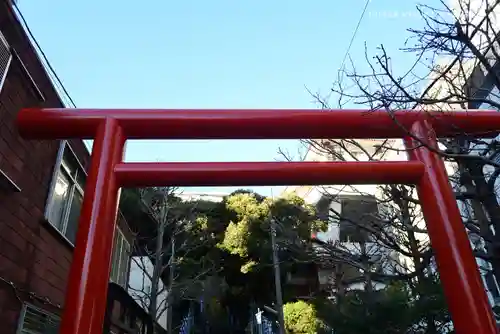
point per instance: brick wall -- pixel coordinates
(31, 257)
(34, 257)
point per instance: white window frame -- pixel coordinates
(13, 55)
(120, 256)
(124, 245)
(9, 61)
(75, 187)
(3, 76)
(22, 318)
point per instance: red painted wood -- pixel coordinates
(85, 304)
(464, 290)
(190, 174)
(250, 124)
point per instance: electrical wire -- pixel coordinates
(354, 35)
(29, 294)
(68, 96)
(44, 56)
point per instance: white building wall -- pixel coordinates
(312, 194)
(208, 196)
(141, 268)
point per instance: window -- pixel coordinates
(356, 154)
(37, 321)
(66, 197)
(357, 212)
(65, 203)
(120, 260)
(5, 59)
(323, 208)
(491, 285)
(335, 151)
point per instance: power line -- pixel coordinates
(42, 53)
(354, 34)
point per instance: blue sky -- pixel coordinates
(210, 54)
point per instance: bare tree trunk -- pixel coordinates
(170, 287)
(366, 264)
(413, 246)
(339, 284)
(158, 265)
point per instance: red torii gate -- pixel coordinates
(84, 308)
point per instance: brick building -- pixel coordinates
(41, 192)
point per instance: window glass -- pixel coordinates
(357, 213)
(492, 284)
(37, 321)
(70, 163)
(5, 58)
(120, 259)
(117, 244)
(80, 179)
(59, 200)
(124, 259)
(67, 196)
(65, 207)
(74, 216)
(493, 96)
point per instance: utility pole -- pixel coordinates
(277, 279)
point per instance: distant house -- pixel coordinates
(350, 204)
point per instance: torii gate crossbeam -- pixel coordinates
(84, 307)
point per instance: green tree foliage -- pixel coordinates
(244, 245)
(247, 234)
(398, 308)
(229, 244)
(229, 240)
(301, 318)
